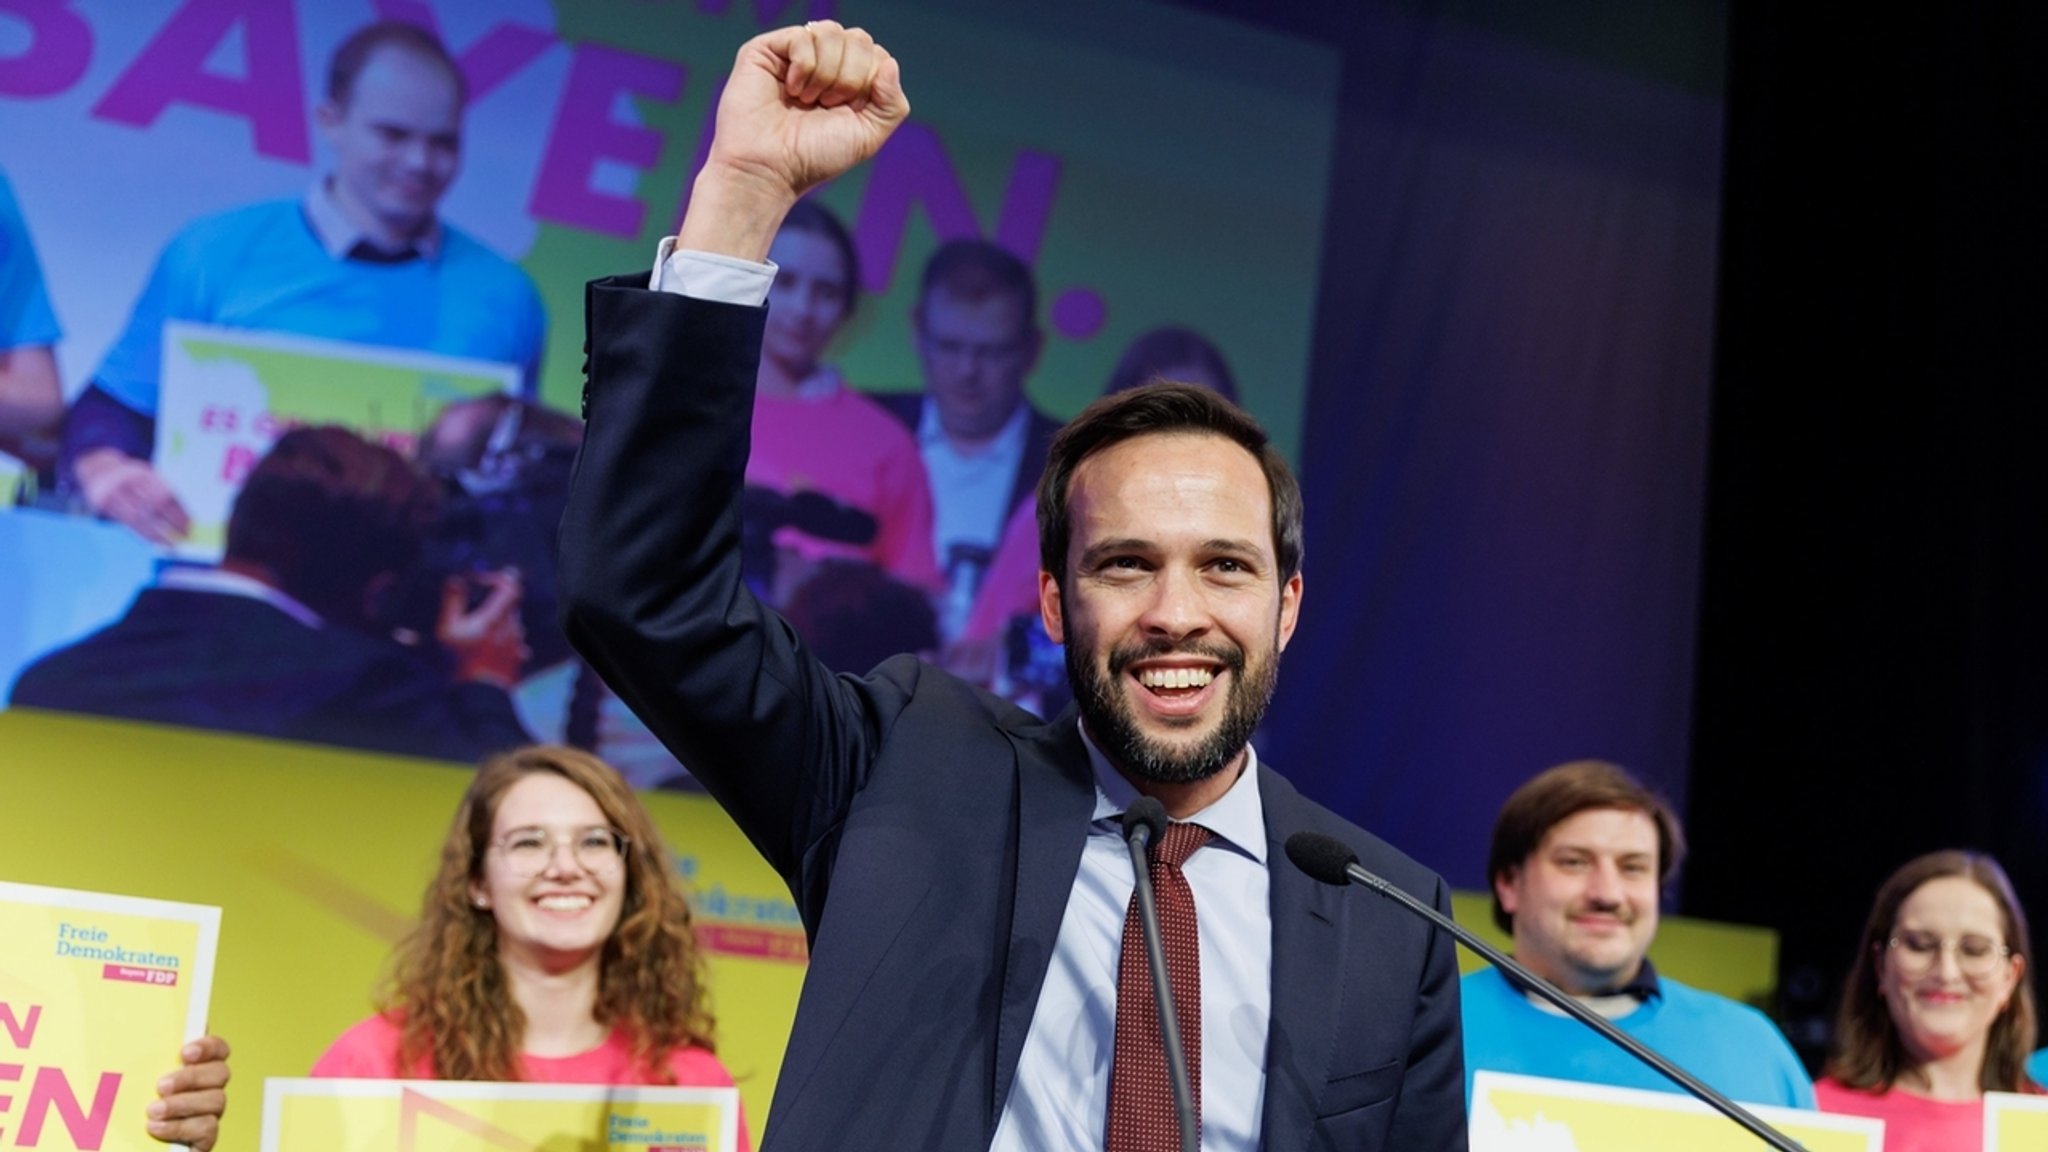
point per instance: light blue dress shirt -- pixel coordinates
(1060, 1098)
(971, 490)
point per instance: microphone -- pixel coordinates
(810, 512)
(1144, 826)
(1331, 861)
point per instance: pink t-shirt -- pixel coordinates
(369, 1051)
(1911, 1123)
(1009, 587)
(846, 446)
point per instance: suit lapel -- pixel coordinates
(1055, 798)
(1308, 944)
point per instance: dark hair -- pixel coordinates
(1156, 409)
(1559, 793)
(1866, 1052)
(854, 615)
(1168, 347)
(976, 270)
(355, 54)
(807, 215)
(326, 512)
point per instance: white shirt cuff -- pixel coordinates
(710, 276)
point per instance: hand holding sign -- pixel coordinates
(192, 1099)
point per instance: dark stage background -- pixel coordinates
(1855, 672)
(1871, 677)
(1504, 445)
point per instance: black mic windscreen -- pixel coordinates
(817, 514)
(1322, 857)
(1147, 813)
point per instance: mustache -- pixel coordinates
(1619, 911)
(1123, 656)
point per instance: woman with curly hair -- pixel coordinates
(554, 945)
(1937, 1010)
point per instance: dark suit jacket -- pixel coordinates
(930, 832)
(212, 660)
(1038, 433)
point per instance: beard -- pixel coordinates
(1113, 722)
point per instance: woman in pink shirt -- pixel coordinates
(1937, 1010)
(554, 944)
(815, 433)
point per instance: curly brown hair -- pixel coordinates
(448, 991)
(1867, 1052)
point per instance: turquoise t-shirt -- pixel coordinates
(1734, 1048)
(262, 267)
(26, 320)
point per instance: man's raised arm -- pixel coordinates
(650, 562)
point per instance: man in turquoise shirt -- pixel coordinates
(31, 400)
(1579, 856)
(362, 258)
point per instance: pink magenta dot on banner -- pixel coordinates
(1078, 313)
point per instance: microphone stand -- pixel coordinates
(1356, 873)
(1139, 830)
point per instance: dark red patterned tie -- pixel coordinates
(1141, 1117)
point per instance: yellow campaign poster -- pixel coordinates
(229, 393)
(325, 852)
(1533, 1114)
(97, 994)
(2015, 1123)
(302, 1115)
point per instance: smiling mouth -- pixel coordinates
(565, 903)
(1174, 681)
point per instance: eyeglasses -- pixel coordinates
(1917, 953)
(528, 851)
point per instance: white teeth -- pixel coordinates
(1175, 677)
(565, 903)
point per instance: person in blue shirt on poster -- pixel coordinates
(363, 257)
(31, 399)
(1580, 854)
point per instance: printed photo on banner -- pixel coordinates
(301, 1115)
(380, 217)
(97, 995)
(228, 394)
(1533, 1114)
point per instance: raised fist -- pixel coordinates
(803, 105)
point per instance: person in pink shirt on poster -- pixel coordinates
(1937, 1010)
(554, 945)
(814, 433)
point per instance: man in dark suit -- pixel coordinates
(957, 861)
(982, 441)
(282, 640)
